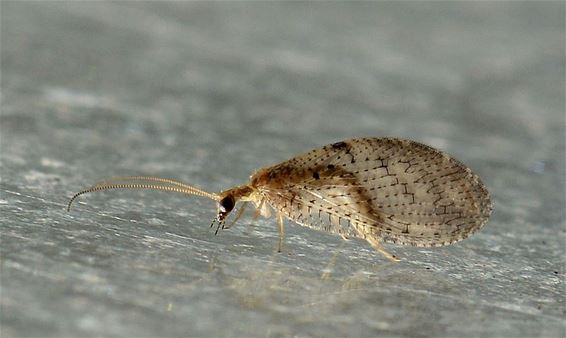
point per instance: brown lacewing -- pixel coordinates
(377, 189)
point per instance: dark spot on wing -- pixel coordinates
(339, 145)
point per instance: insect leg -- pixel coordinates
(281, 231)
(377, 246)
(258, 211)
(238, 215)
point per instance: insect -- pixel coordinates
(378, 189)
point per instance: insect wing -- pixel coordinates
(396, 190)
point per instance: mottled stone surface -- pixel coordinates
(207, 92)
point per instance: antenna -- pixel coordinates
(144, 182)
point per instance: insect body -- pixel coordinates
(378, 189)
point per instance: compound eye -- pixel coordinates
(227, 203)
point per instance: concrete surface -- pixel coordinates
(207, 92)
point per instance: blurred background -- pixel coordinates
(208, 92)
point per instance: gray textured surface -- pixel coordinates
(208, 92)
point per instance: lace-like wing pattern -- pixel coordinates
(389, 189)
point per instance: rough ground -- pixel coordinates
(206, 92)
